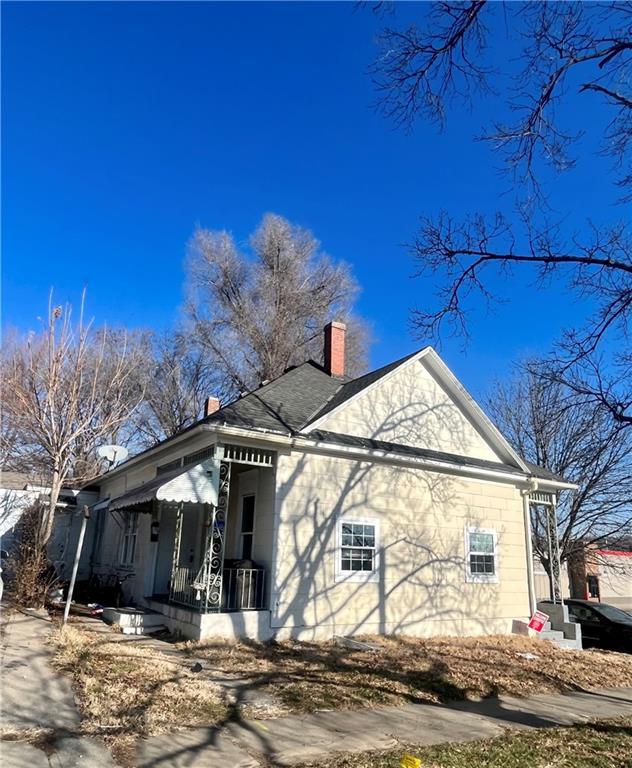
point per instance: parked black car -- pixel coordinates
(603, 626)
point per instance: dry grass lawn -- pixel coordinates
(309, 676)
(124, 687)
(127, 689)
(606, 744)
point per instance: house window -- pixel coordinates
(357, 558)
(592, 583)
(247, 526)
(128, 543)
(481, 556)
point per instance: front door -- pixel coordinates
(166, 541)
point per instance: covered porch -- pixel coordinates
(210, 538)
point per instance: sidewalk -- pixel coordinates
(290, 740)
(35, 696)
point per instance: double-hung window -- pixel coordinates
(357, 556)
(481, 563)
(128, 542)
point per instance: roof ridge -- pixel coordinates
(257, 390)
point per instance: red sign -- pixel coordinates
(538, 620)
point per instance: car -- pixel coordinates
(603, 626)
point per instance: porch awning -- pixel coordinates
(197, 484)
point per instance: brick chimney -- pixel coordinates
(335, 349)
(211, 405)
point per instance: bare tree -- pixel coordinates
(256, 314)
(66, 390)
(178, 380)
(580, 440)
(585, 48)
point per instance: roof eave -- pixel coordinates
(335, 449)
(214, 428)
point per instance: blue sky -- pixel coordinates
(126, 125)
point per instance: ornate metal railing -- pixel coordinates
(243, 589)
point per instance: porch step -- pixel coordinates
(133, 619)
(153, 630)
(558, 637)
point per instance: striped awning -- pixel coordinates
(197, 484)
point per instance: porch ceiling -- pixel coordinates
(197, 484)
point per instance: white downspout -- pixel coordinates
(533, 485)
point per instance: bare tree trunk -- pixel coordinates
(48, 517)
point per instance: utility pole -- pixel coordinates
(75, 567)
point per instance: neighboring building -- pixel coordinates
(18, 492)
(316, 506)
(604, 575)
(543, 583)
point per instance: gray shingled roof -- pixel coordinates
(543, 473)
(285, 404)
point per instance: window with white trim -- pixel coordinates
(481, 562)
(128, 542)
(357, 556)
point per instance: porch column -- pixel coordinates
(175, 586)
(548, 502)
(218, 541)
(554, 549)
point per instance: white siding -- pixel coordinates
(412, 408)
(421, 587)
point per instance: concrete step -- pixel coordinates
(569, 642)
(557, 637)
(132, 618)
(154, 629)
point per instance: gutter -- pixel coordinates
(418, 462)
(251, 433)
(533, 602)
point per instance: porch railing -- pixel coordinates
(182, 590)
(243, 589)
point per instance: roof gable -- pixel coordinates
(417, 402)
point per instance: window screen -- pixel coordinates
(357, 547)
(481, 555)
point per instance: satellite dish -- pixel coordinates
(113, 454)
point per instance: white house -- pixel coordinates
(318, 505)
(18, 492)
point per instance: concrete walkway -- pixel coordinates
(289, 740)
(35, 697)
